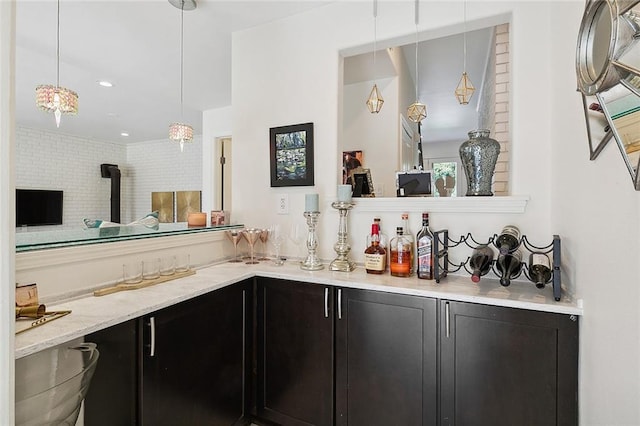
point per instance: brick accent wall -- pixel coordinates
(501, 130)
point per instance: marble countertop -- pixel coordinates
(90, 314)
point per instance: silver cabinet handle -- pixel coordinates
(339, 303)
(152, 329)
(326, 302)
(447, 320)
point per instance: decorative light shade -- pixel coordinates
(56, 99)
(375, 101)
(180, 132)
(465, 90)
(417, 112)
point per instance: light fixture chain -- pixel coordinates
(464, 37)
(417, 20)
(375, 35)
(58, 47)
(181, 60)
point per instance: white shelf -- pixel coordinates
(508, 204)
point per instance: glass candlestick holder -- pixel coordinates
(311, 263)
(342, 263)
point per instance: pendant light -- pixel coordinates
(181, 132)
(56, 99)
(417, 111)
(465, 88)
(375, 101)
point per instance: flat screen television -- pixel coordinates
(37, 207)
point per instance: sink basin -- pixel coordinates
(51, 384)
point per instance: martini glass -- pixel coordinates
(264, 236)
(234, 235)
(251, 235)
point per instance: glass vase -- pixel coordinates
(479, 155)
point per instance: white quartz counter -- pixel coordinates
(90, 314)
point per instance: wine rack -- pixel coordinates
(442, 243)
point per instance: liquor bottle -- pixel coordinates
(508, 239)
(375, 256)
(424, 245)
(539, 268)
(384, 241)
(400, 248)
(509, 266)
(409, 236)
(480, 261)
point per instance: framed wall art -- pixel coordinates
(291, 154)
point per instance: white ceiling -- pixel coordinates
(135, 44)
(440, 66)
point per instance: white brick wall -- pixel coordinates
(52, 160)
(501, 130)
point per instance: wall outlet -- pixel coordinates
(283, 204)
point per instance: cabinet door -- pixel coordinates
(196, 374)
(295, 353)
(504, 366)
(386, 359)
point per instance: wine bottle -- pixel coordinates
(508, 239)
(539, 268)
(375, 256)
(409, 236)
(400, 254)
(424, 245)
(480, 261)
(509, 265)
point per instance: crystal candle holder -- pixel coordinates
(311, 263)
(342, 263)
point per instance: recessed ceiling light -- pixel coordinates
(124, 134)
(105, 83)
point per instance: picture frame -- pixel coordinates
(362, 183)
(291, 155)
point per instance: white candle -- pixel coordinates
(311, 203)
(344, 193)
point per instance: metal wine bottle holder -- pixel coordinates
(312, 263)
(442, 243)
(342, 263)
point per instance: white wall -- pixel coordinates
(159, 166)
(216, 123)
(591, 205)
(53, 160)
(376, 135)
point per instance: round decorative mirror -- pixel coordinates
(608, 72)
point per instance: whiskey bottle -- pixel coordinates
(480, 262)
(424, 246)
(400, 248)
(509, 266)
(508, 239)
(409, 236)
(375, 256)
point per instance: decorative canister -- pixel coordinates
(479, 155)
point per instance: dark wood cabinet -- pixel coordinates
(385, 356)
(294, 353)
(386, 359)
(186, 364)
(505, 366)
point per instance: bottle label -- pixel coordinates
(424, 255)
(375, 262)
(540, 259)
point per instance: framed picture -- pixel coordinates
(291, 149)
(350, 161)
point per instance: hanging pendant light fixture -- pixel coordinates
(375, 101)
(465, 88)
(56, 99)
(417, 111)
(181, 132)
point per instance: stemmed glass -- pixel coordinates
(264, 236)
(297, 234)
(277, 238)
(251, 235)
(234, 235)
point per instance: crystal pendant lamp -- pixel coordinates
(56, 99)
(464, 90)
(181, 132)
(375, 101)
(417, 111)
